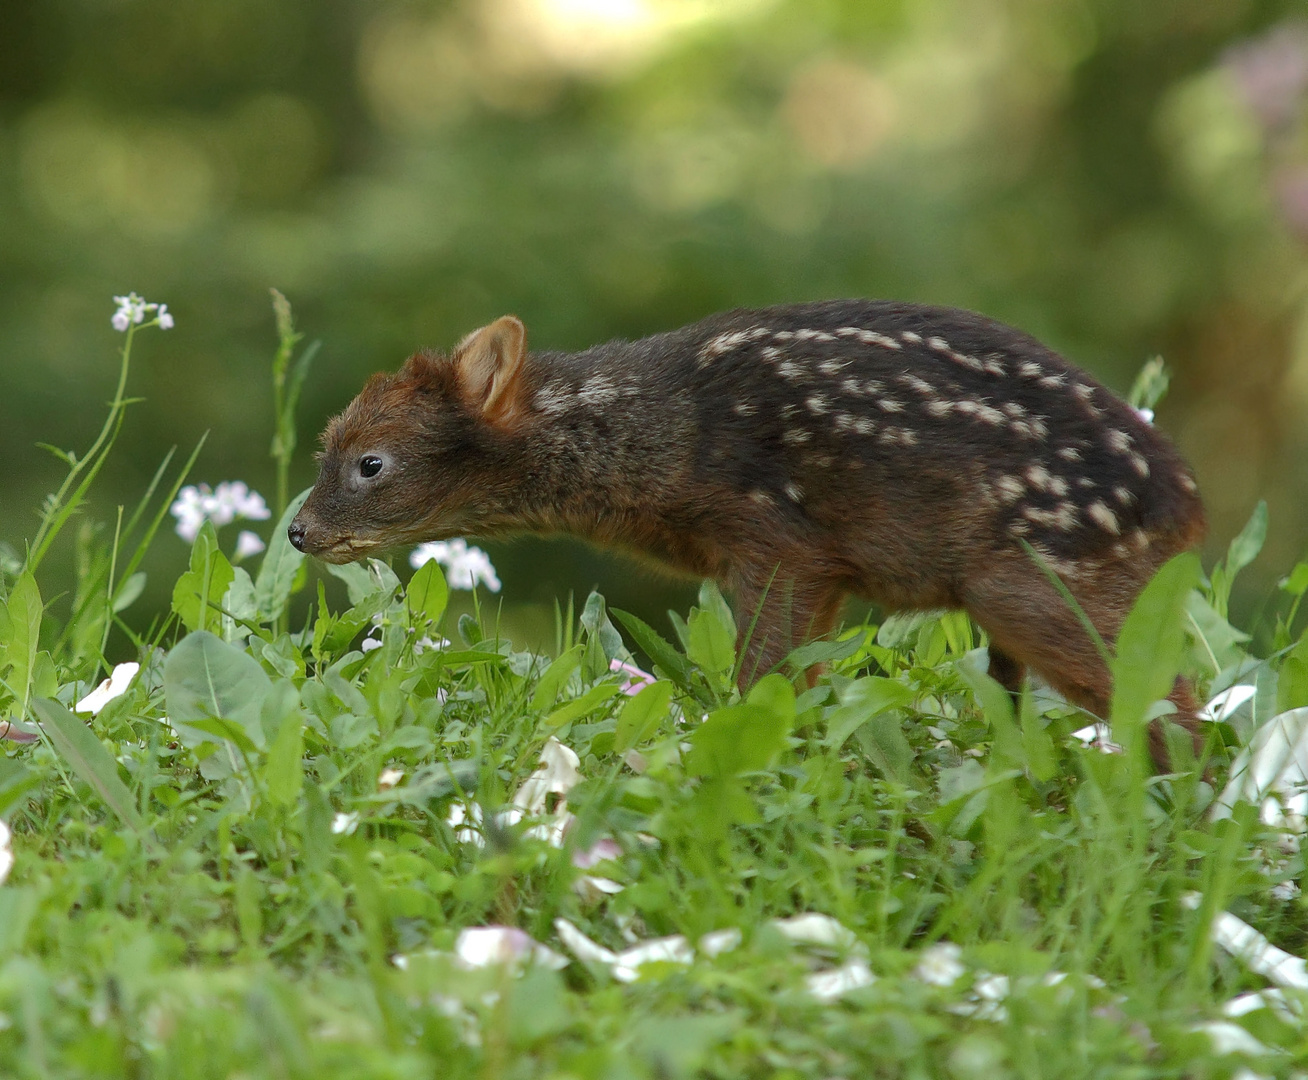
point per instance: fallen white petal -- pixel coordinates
(717, 942)
(1229, 1038)
(585, 950)
(345, 823)
(828, 986)
(668, 950)
(483, 946)
(812, 928)
(1272, 771)
(115, 686)
(941, 964)
(1226, 703)
(389, 778)
(558, 774)
(1098, 736)
(593, 889)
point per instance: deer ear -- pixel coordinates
(489, 366)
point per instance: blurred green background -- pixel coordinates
(1120, 178)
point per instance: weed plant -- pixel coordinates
(380, 842)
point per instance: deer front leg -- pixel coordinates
(778, 612)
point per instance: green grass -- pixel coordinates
(213, 876)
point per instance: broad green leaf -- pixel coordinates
(746, 737)
(16, 780)
(239, 600)
(226, 729)
(711, 633)
(1292, 679)
(997, 705)
(579, 707)
(1296, 584)
(555, 676)
(859, 702)
(427, 594)
(1150, 647)
(205, 678)
(882, 740)
(364, 579)
(25, 612)
(1218, 641)
(283, 773)
(204, 584)
(642, 715)
(656, 647)
(1246, 546)
(273, 586)
(595, 620)
(79, 747)
(129, 591)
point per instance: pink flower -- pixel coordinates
(637, 680)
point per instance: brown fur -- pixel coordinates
(797, 455)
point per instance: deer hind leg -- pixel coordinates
(1030, 624)
(776, 613)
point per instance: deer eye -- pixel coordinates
(370, 465)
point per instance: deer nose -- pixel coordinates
(295, 534)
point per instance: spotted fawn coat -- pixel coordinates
(796, 454)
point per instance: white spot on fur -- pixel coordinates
(832, 367)
(1103, 517)
(911, 338)
(1140, 539)
(744, 408)
(794, 492)
(893, 436)
(1141, 466)
(1123, 495)
(554, 400)
(770, 352)
(788, 410)
(842, 421)
(762, 497)
(1118, 441)
(1038, 477)
(821, 461)
(790, 370)
(726, 342)
(864, 426)
(1029, 370)
(852, 386)
(813, 335)
(1084, 392)
(890, 405)
(918, 385)
(796, 436)
(598, 390)
(1010, 489)
(1068, 453)
(1052, 382)
(1085, 482)
(1187, 483)
(994, 367)
(817, 404)
(1062, 517)
(939, 409)
(869, 337)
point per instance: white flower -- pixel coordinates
(940, 964)
(345, 823)
(465, 567)
(232, 499)
(389, 778)
(6, 852)
(132, 310)
(248, 544)
(115, 686)
(486, 946)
